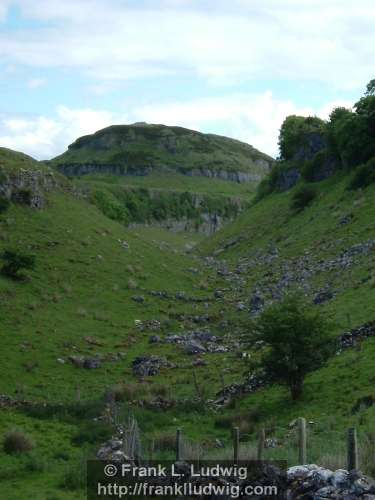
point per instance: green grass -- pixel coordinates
(80, 289)
(179, 183)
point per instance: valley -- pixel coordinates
(127, 310)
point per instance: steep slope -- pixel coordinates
(73, 328)
(327, 253)
(142, 148)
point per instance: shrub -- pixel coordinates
(94, 432)
(363, 176)
(23, 196)
(297, 340)
(16, 441)
(302, 198)
(4, 204)
(16, 261)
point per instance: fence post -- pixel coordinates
(352, 449)
(236, 443)
(261, 444)
(178, 445)
(302, 441)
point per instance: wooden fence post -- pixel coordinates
(236, 444)
(261, 444)
(178, 445)
(352, 449)
(302, 441)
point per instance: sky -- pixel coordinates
(230, 67)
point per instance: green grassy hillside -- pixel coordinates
(100, 291)
(143, 148)
(327, 253)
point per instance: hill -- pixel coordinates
(164, 176)
(115, 320)
(141, 149)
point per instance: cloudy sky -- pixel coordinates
(231, 67)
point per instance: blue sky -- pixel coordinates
(237, 68)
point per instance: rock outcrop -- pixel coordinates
(27, 187)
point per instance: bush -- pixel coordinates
(16, 441)
(4, 204)
(364, 175)
(297, 340)
(302, 198)
(15, 261)
(94, 432)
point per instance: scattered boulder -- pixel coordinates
(138, 298)
(194, 347)
(146, 366)
(112, 451)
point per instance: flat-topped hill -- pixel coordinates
(142, 148)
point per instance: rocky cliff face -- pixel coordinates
(27, 186)
(140, 149)
(207, 225)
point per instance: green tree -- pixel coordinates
(294, 132)
(297, 340)
(303, 197)
(370, 87)
(16, 261)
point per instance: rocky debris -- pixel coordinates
(92, 363)
(356, 335)
(194, 347)
(323, 296)
(148, 324)
(253, 383)
(154, 339)
(240, 306)
(197, 342)
(160, 293)
(88, 363)
(256, 303)
(92, 341)
(218, 294)
(346, 219)
(9, 402)
(112, 450)
(271, 443)
(311, 482)
(138, 298)
(146, 366)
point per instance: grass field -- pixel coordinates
(79, 301)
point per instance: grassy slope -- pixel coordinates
(331, 392)
(178, 183)
(78, 289)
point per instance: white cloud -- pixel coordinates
(44, 138)
(254, 119)
(35, 83)
(331, 41)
